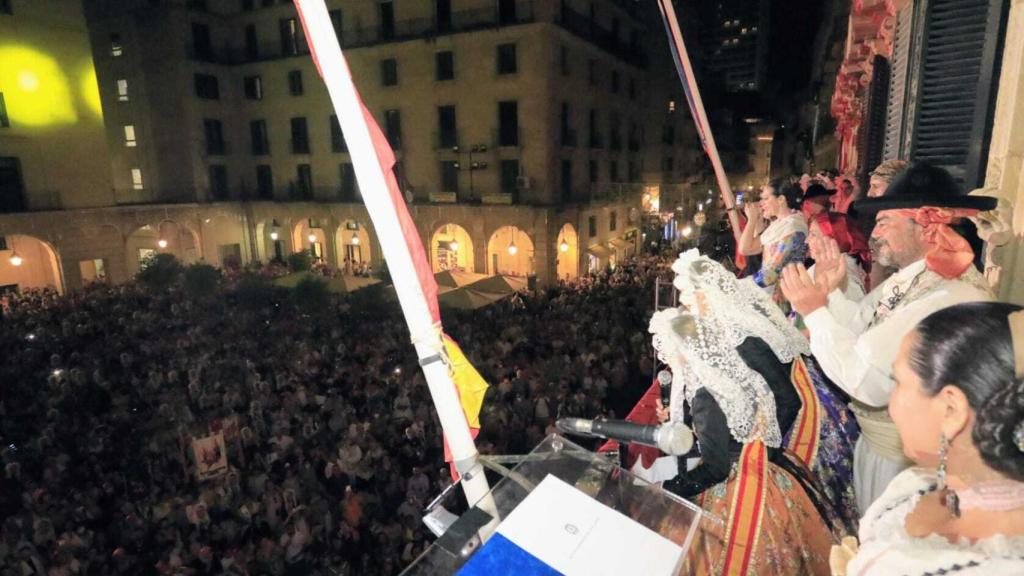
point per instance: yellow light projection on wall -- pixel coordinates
(35, 88)
(89, 88)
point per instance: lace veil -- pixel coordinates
(742, 308)
(694, 348)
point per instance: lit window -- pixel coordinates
(743, 31)
(136, 179)
(122, 90)
(671, 105)
(115, 45)
(129, 136)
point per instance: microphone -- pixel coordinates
(665, 383)
(672, 438)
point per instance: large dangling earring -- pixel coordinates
(948, 497)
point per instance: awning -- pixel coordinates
(599, 251)
(619, 243)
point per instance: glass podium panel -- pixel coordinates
(666, 514)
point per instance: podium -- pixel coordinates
(566, 510)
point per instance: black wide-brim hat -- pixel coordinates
(923, 185)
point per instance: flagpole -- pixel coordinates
(425, 333)
(681, 59)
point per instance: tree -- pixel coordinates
(201, 280)
(300, 261)
(159, 271)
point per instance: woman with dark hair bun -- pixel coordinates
(777, 230)
(959, 407)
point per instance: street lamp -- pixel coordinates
(355, 239)
(161, 243)
(311, 237)
(274, 235)
(564, 246)
(454, 245)
(15, 259)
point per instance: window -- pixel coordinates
(568, 135)
(252, 43)
(116, 49)
(448, 135)
(393, 128)
(304, 181)
(202, 47)
(129, 136)
(507, 59)
(592, 226)
(632, 88)
(445, 62)
(253, 88)
(247, 5)
(5, 121)
(387, 20)
(449, 176)
(593, 171)
(349, 184)
(264, 182)
(389, 72)
(613, 221)
(207, 87)
(508, 123)
(615, 81)
(563, 60)
(595, 133)
(613, 170)
(136, 179)
(506, 12)
(12, 188)
(94, 270)
(300, 136)
(218, 181)
(5, 7)
(258, 134)
(122, 90)
(592, 72)
(336, 23)
(293, 42)
(443, 15)
(667, 164)
(214, 132)
(509, 176)
(337, 138)
(295, 82)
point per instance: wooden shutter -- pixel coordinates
(894, 132)
(872, 129)
(957, 75)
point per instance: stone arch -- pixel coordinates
(567, 248)
(166, 236)
(510, 252)
(29, 262)
(355, 245)
(451, 248)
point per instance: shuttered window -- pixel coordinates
(872, 129)
(956, 79)
(894, 131)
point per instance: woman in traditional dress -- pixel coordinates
(763, 521)
(783, 241)
(959, 407)
(825, 432)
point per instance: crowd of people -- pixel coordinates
(332, 445)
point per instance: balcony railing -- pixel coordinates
(587, 29)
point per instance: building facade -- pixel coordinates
(526, 132)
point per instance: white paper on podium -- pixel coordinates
(664, 468)
(577, 535)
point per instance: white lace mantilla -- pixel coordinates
(696, 350)
(743, 308)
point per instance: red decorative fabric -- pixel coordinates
(950, 254)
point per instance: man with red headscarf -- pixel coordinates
(856, 342)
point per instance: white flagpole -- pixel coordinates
(685, 69)
(425, 335)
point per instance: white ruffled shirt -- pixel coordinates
(887, 549)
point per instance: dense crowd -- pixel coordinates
(337, 449)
